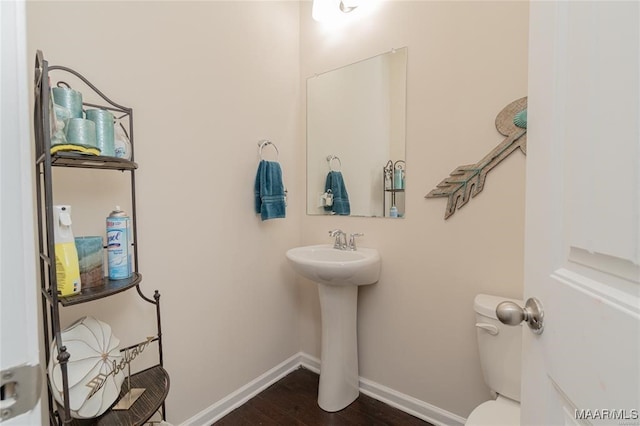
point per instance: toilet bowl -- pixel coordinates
(499, 412)
(500, 348)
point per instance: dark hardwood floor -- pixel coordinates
(294, 401)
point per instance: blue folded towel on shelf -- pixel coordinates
(269, 191)
(335, 183)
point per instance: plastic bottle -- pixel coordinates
(67, 265)
(393, 212)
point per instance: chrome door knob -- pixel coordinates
(511, 314)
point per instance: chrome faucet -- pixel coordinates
(341, 239)
(352, 241)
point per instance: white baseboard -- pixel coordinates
(410, 405)
(406, 403)
(232, 401)
(309, 362)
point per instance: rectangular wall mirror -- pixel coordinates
(356, 118)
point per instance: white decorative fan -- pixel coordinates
(95, 377)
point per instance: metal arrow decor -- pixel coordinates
(467, 181)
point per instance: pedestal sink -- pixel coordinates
(338, 274)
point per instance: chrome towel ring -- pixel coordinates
(330, 158)
(265, 142)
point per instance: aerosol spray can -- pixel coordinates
(119, 245)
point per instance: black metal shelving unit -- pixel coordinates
(154, 379)
(389, 187)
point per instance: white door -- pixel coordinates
(582, 243)
(19, 342)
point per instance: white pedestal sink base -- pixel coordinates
(338, 273)
(339, 383)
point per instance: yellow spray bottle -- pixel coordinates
(67, 266)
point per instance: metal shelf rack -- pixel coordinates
(154, 379)
(389, 187)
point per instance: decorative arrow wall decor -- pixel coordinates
(467, 181)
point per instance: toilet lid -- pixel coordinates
(500, 412)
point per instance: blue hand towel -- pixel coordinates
(335, 183)
(269, 191)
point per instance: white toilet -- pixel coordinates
(500, 350)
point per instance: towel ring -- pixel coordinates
(263, 143)
(330, 158)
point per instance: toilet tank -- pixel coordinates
(500, 347)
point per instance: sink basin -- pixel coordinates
(327, 265)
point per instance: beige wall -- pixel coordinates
(467, 61)
(207, 80)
